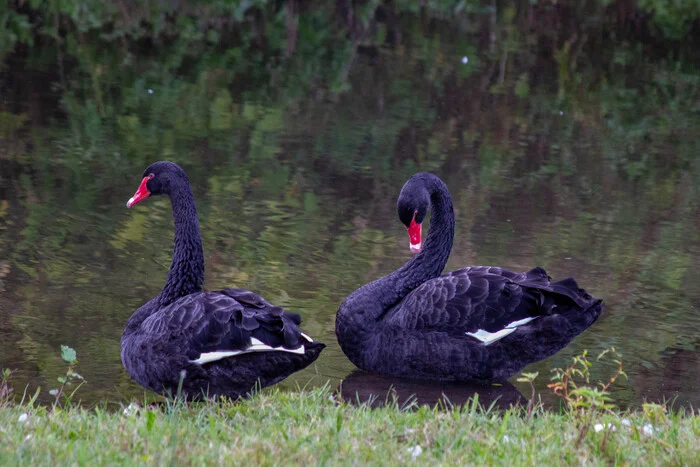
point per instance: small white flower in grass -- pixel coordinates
(626, 422)
(28, 437)
(150, 91)
(598, 427)
(465, 60)
(415, 451)
(131, 409)
(648, 429)
(23, 418)
(506, 438)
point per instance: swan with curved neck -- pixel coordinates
(476, 323)
(206, 344)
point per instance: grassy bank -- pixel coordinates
(305, 427)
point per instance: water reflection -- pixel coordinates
(378, 390)
(591, 176)
(674, 379)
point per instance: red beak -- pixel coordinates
(414, 231)
(141, 194)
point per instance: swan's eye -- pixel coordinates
(151, 175)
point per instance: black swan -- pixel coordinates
(476, 323)
(206, 344)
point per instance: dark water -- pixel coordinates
(588, 171)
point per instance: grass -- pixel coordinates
(312, 427)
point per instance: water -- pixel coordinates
(296, 190)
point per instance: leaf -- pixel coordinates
(338, 421)
(528, 377)
(150, 420)
(68, 354)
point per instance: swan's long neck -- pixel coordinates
(361, 312)
(187, 268)
(430, 262)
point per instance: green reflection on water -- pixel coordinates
(586, 171)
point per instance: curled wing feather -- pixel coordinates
(469, 299)
(226, 320)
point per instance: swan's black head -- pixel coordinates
(413, 205)
(158, 179)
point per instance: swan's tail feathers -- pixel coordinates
(592, 312)
(537, 278)
(312, 351)
(315, 347)
(582, 319)
(589, 308)
(549, 295)
(537, 274)
(569, 288)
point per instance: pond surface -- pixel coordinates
(597, 177)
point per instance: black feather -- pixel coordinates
(415, 322)
(168, 334)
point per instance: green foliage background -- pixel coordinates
(565, 131)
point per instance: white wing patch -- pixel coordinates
(489, 338)
(255, 346)
(306, 337)
(520, 322)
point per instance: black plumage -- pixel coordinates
(476, 323)
(221, 343)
